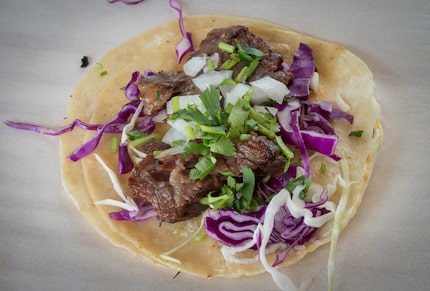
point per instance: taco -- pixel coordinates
(307, 157)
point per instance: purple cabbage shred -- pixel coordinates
(127, 2)
(236, 229)
(145, 212)
(185, 45)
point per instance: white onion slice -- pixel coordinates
(268, 88)
(182, 102)
(215, 59)
(203, 81)
(200, 63)
(315, 79)
(194, 65)
(180, 130)
(237, 92)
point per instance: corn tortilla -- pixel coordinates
(345, 80)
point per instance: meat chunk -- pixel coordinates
(165, 182)
(270, 64)
(156, 89)
(260, 154)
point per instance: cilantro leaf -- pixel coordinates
(238, 118)
(306, 182)
(357, 133)
(223, 146)
(196, 148)
(211, 99)
(192, 114)
(247, 188)
(234, 194)
(247, 53)
(223, 201)
(135, 134)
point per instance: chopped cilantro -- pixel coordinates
(285, 150)
(144, 139)
(192, 113)
(247, 53)
(235, 194)
(211, 65)
(135, 134)
(211, 100)
(238, 118)
(306, 182)
(203, 167)
(157, 95)
(214, 130)
(199, 236)
(323, 168)
(177, 230)
(196, 148)
(357, 133)
(247, 188)
(242, 75)
(223, 146)
(114, 145)
(226, 47)
(230, 63)
(252, 66)
(179, 142)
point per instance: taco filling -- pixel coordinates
(226, 133)
(236, 161)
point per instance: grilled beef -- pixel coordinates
(165, 182)
(270, 65)
(258, 153)
(156, 89)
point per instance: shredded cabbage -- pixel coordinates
(125, 164)
(133, 209)
(127, 202)
(294, 223)
(302, 68)
(185, 45)
(127, 2)
(337, 227)
(281, 279)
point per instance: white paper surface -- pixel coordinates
(45, 244)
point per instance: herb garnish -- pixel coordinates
(357, 133)
(235, 194)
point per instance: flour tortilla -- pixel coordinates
(345, 80)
